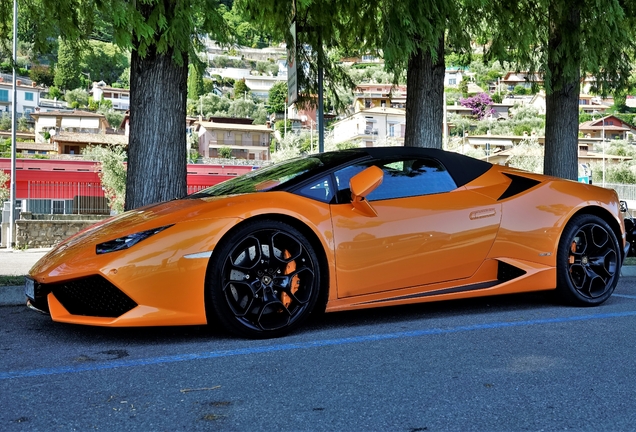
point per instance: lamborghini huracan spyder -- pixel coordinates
(335, 231)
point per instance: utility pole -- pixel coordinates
(14, 123)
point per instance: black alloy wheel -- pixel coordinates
(588, 262)
(265, 280)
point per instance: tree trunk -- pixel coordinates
(562, 98)
(157, 154)
(425, 99)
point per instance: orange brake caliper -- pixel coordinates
(573, 249)
(295, 282)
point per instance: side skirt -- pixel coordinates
(502, 276)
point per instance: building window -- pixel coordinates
(4, 95)
(452, 81)
(57, 207)
(28, 96)
(391, 129)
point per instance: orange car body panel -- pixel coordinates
(425, 248)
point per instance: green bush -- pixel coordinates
(225, 152)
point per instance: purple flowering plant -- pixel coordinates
(481, 105)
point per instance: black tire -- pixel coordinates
(588, 261)
(258, 294)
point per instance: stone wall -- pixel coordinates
(37, 231)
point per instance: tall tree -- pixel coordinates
(563, 40)
(413, 37)
(277, 96)
(161, 36)
(67, 69)
(195, 81)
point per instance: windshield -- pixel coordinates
(262, 179)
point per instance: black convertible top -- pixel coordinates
(294, 173)
(463, 169)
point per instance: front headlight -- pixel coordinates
(128, 241)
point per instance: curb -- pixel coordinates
(14, 295)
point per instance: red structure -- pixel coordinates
(44, 182)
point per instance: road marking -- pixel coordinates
(302, 345)
(624, 296)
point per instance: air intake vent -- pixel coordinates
(92, 296)
(506, 272)
(519, 184)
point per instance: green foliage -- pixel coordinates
(55, 93)
(113, 117)
(5, 121)
(67, 69)
(23, 124)
(208, 85)
(520, 90)
(43, 75)
(103, 61)
(241, 90)
(77, 98)
(113, 173)
(277, 97)
(244, 33)
(222, 61)
(225, 152)
(124, 78)
(260, 114)
(267, 68)
(195, 81)
(280, 127)
(211, 104)
(463, 86)
(360, 74)
(584, 117)
(528, 155)
(241, 108)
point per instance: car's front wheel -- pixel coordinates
(588, 261)
(264, 279)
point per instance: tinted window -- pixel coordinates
(402, 178)
(320, 190)
(262, 179)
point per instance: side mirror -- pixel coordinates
(361, 185)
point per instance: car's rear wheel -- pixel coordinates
(264, 279)
(588, 261)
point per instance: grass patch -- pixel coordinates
(11, 280)
(630, 261)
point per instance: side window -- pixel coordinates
(321, 191)
(402, 178)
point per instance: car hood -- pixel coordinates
(134, 221)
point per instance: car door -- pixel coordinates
(427, 230)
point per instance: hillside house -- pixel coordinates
(246, 140)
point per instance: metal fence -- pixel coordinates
(196, 188)
(44, 197)
(625, 191)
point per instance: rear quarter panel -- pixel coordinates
(532, 222)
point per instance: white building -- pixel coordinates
(372, 127)
(28, 96)
(120, 98)
(246, 141)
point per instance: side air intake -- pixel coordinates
(506, 272)
(517, 185)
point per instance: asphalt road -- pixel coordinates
(511, 363)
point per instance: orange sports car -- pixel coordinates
(336, 231)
